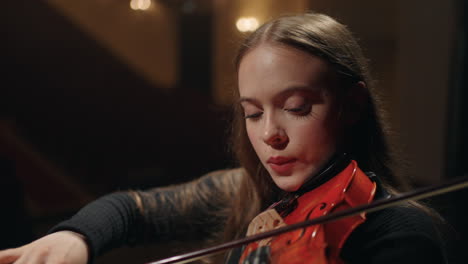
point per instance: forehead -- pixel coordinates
(271, 68)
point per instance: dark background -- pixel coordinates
(77, 122)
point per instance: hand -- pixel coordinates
(64, 247)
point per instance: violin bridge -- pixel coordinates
(265, 221)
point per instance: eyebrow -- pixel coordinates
(289, 90)
(248, 100)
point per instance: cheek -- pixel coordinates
(253, 136)
(314, 137)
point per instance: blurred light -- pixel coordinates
(140, 4)
(245, 24)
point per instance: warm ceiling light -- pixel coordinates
(140, 4)
(246, 24)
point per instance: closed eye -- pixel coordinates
(301, 110)
(253, 116)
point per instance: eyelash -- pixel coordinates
(253, 116)
(302, 111)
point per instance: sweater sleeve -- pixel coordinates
(135, 217)
(395, 235)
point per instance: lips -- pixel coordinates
(282, 165)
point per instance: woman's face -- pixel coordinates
(290, 115)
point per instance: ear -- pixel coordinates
(355, 103)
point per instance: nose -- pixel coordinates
(274, 135)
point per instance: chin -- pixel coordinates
(287, 185)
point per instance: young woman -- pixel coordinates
(306, 125)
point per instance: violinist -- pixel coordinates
(309, 137)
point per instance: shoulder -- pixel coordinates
(400, 219)
(211, 181)
(402, 234)
(221, 179)
(235, 174)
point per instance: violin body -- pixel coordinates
(319, 244)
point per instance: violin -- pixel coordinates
(319, 243)
(421, 193)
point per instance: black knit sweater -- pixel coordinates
(401, 234)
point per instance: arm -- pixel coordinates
(129, 218)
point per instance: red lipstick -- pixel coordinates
(282, 165)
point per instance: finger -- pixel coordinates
(9, 255)
(33, 257)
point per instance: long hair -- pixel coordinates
(365, 140)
